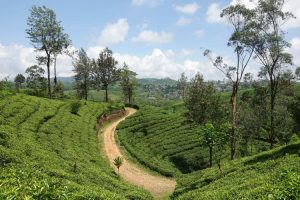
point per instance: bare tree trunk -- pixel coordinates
(233, 138)
(210, 156)
(85, 89)
(272, 106)
(55, 78)
(106, 93)
(49, 83)
(129, 99)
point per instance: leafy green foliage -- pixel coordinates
(75, 106)
(83, 74)
(160, 139)
(105, 71)
(118, 161)
(41, 142)
(46, 35)
(269, 175)
(128, 83)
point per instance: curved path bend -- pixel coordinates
(158, 186)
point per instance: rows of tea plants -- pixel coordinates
(273, 174)
(46, 152)
(161, 140)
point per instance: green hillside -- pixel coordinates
(273, 174)
(161, 140)
(46, 152)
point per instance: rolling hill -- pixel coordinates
(46, 152)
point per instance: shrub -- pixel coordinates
(75, 105)
(132, 106)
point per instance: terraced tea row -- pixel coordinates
(163, 141)
(273, 174)
(47, 152)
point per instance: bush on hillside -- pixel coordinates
(75, 105)
(132, 106)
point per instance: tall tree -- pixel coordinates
(19, 79)
(239, 17)
(202, 101)
(269, 45)
(83, 74)
(46, 35)
(182, 85)
(128, 82)
(105, 71)
(215, 136)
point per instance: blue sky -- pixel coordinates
(157, 38)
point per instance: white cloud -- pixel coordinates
(114, 32)
(213, 13)
(292, 6)
(190, 8)
(183, 21)
(17, 58)
(185, 52)
(199, 33)
(250, 4)
(160, 65)
(295, 50)
(93, 52)
(150, 37)
(169, 53)
(151, 3)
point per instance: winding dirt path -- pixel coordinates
(158, 186)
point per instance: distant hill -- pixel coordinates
(156, 81)
(66, 79)
(141, 81)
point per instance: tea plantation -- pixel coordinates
(46, 152)
(161, 140)
(273, 174)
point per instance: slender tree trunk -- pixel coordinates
(106, 93)
(85, 89)
(233, 138)
(49, 83)
(55, 78)
(129, 98)
(210, 156)
(272, 125)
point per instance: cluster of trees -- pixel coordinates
(48, 38)
(102, 72)
(265, 114)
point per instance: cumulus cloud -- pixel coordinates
(159, 64)
(190, 8)
(151, 38)
(295, 50)
(292, 6)
(114, 32)
(183, 21)
(213, 13)
(151, 3)
(17, 58)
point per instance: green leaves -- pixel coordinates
(118, 161)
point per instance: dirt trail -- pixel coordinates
(158, 186)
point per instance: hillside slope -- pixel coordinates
(161, 140)
(273, 174)
(48, 153)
